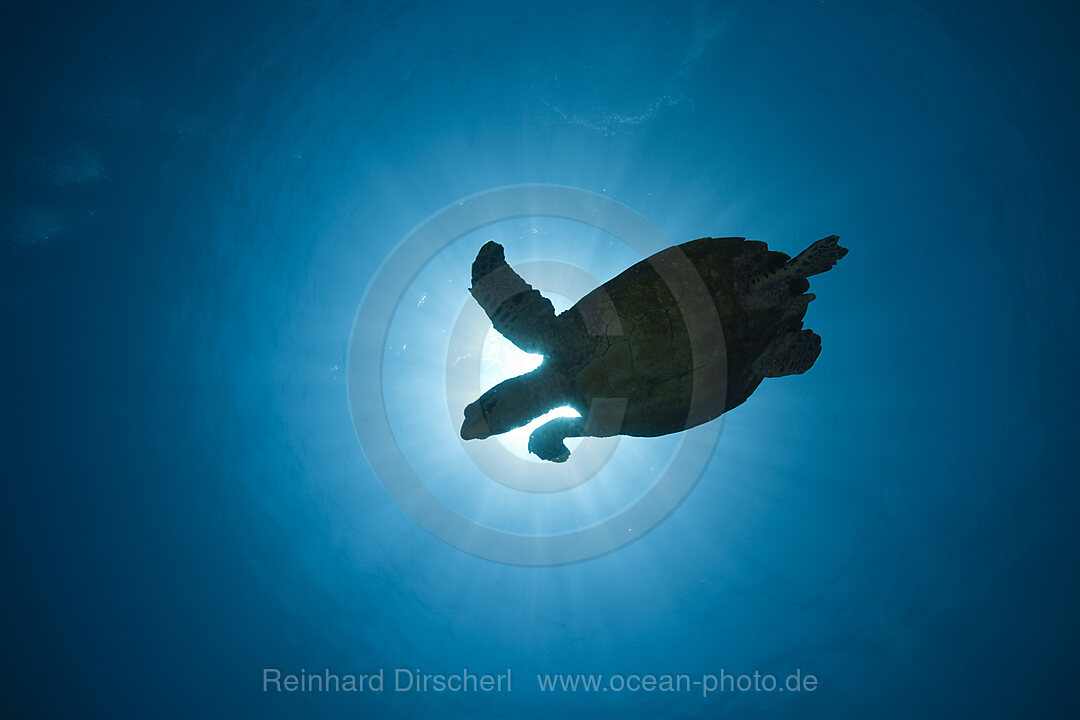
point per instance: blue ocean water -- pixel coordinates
(195, 201)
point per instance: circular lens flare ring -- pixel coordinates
(367, 400)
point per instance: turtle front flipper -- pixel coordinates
(518, 311)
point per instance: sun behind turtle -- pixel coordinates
(672, 342)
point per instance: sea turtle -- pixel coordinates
(674, 341)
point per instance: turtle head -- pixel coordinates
(509, 405)
(476, 425)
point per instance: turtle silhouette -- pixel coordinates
(674, 341)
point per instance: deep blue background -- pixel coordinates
(194, 198)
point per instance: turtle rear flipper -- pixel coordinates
(789, 280)
(817, 258)
(790, 354)
(518, 311)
